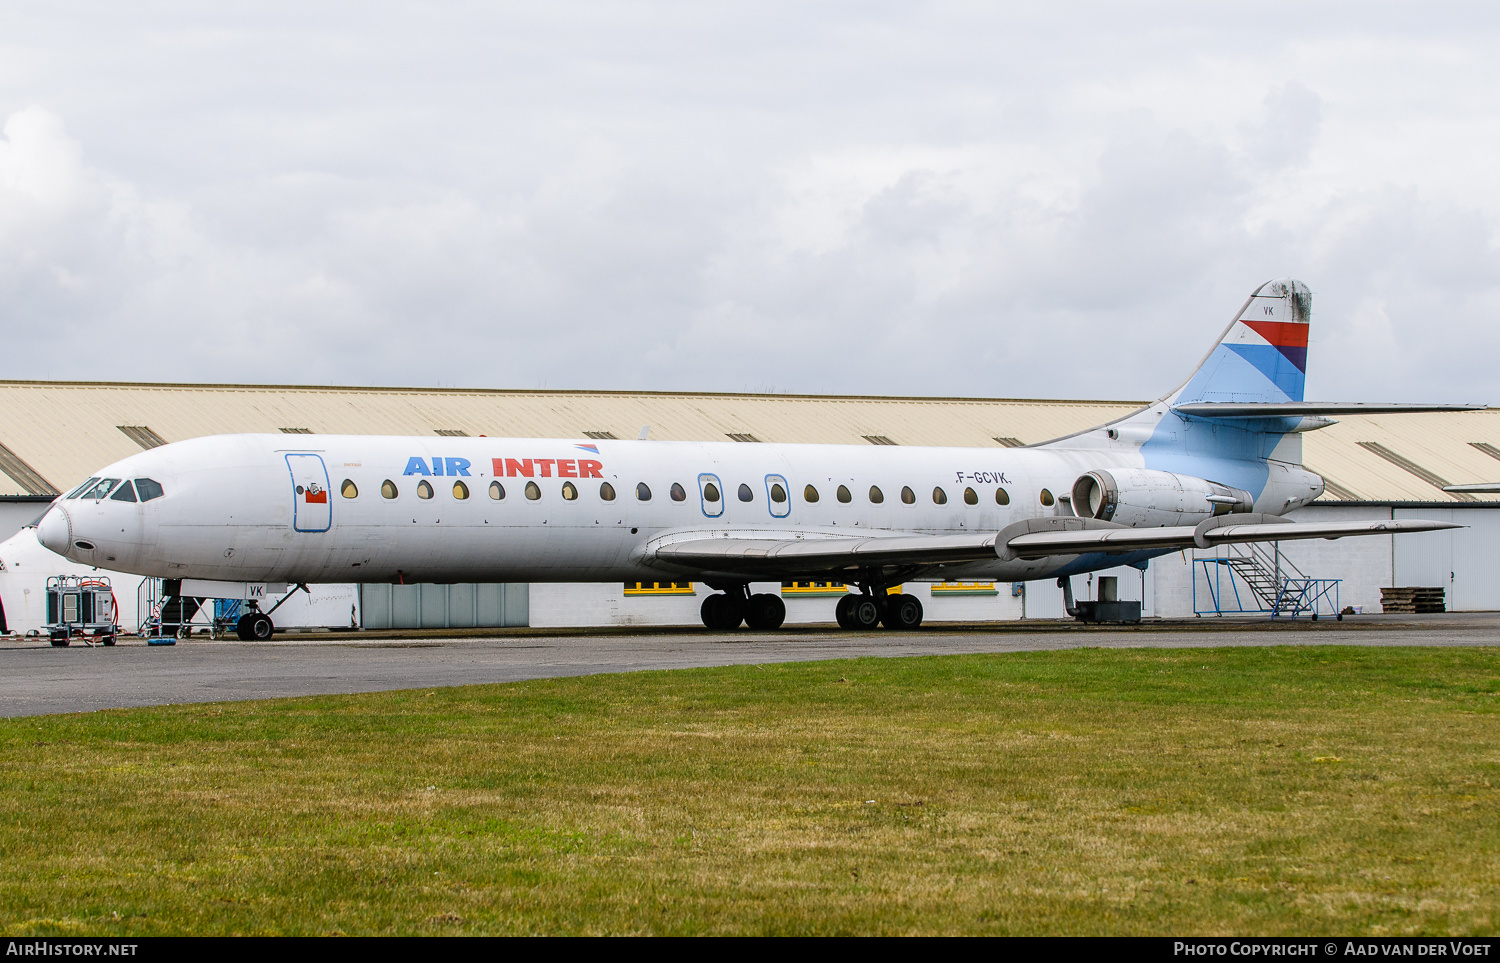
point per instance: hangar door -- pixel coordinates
(1465, 561)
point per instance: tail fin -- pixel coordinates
(1262, 356)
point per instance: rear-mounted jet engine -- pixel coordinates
(1144, 498)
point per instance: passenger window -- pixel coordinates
(643, 492)
(778, 494)
(1002, 497)
(348, 489)
(124, 493)
(424, 490)
(84, 487)
(569, 492)
(710, 492)
(497, 490)
(809, 494)
(971, 497)
(388, 489)
(876, 495)
(746, 495)
(678, 493)
(1047, 498)
(907, 495)
(460, 490)
(939, 497)
(843, 495)
(149, 488)
(607, 492)
(532, 492)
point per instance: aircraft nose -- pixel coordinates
(55, 530)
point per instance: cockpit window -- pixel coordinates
(125, 493)
(83, 488)
(149, 488)
(102, 490)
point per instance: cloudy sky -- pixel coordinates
(1033, 200)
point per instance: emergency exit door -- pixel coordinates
(312, 509)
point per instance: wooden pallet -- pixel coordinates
(1412, 600)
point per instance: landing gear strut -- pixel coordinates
(724, 611)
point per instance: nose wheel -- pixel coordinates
(254, 627)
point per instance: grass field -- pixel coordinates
(1302, 790)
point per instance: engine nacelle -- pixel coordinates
(1144, 498)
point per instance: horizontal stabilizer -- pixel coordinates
(1298, 409)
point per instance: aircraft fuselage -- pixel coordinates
(419, 509)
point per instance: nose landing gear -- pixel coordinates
(254, 626)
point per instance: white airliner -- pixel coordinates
(1215, 461)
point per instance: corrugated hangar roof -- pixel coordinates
(52, 434)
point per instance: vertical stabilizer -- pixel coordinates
(1261, 357)
(1263, 354)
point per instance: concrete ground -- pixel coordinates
(40, 680)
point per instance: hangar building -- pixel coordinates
(52, 435)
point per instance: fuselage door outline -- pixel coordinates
(312, 509)
(782, 508)
(711, 508)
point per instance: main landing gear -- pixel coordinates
(734, 605)
(726, 610)
(867, 610)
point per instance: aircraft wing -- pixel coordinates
(772, 555)
(747, 554)
(1042, 544)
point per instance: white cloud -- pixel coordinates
(950, 199)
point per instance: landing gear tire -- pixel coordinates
(254, 627)
(864, 614)
(841, 611)
(721, 613)
(766, 612)
(902, 612)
